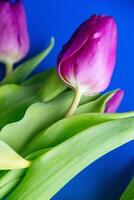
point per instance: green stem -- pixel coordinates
(75, 103)
(9, 69)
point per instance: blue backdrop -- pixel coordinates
(106, 178)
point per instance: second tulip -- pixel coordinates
(14, 38)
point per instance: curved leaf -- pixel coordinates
(55, 168)
(52, 87)
(23, 133)
(38, 117)
(66, 128)
(15, 99)
(38, 79)
(9, 159)
(6, 188)
(11, 179)
(25, 69)
(49, 84)
(10, 134)
(58, 133)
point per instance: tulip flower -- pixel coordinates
(14, 39)
(113, 103)
(86, 63)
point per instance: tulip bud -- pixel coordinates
(87, 61)
(14, 39)
(113, 103)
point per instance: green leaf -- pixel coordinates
(55, 134)
(52, 87)
(10, 94)
(66, 128)
(11, 179)
(14, 100)
(129, 192)
(4, 190)
(9, 159)
(38, 79)
(21, 129)
(25, 69)
(41, 115)
(60, 164)
(49, 84)
(38, 117)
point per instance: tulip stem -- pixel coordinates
(9, 69)
(75, 103)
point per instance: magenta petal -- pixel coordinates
(14, 38)
(77, 40)
(21, 24)
(113, 104)
(87, 61)
(95, 61)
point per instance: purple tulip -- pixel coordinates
(87, 61)
(14, 39)
(113, 104)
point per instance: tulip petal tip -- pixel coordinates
(113, 103)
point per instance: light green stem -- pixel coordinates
(9, 69)
(75, 103)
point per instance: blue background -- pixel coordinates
(106, 178)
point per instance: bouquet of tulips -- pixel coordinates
(57, 122)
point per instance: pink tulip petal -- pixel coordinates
(23, 37)
(113, 104)
(87, 61)
(77, 40)
(14, 39)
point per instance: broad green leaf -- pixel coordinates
(25, 133)
(9, 159)
(129, 192)
(41, 115)
(52, 87)
(5, 188)
(14, 100)
(58, 133)
(48, 82)
(66, 128)
(11, 179)
(21, 129)
(11, 94)
(2, 173)
(51, 171)
(25, 69)
(38, 117)
(38, 79)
